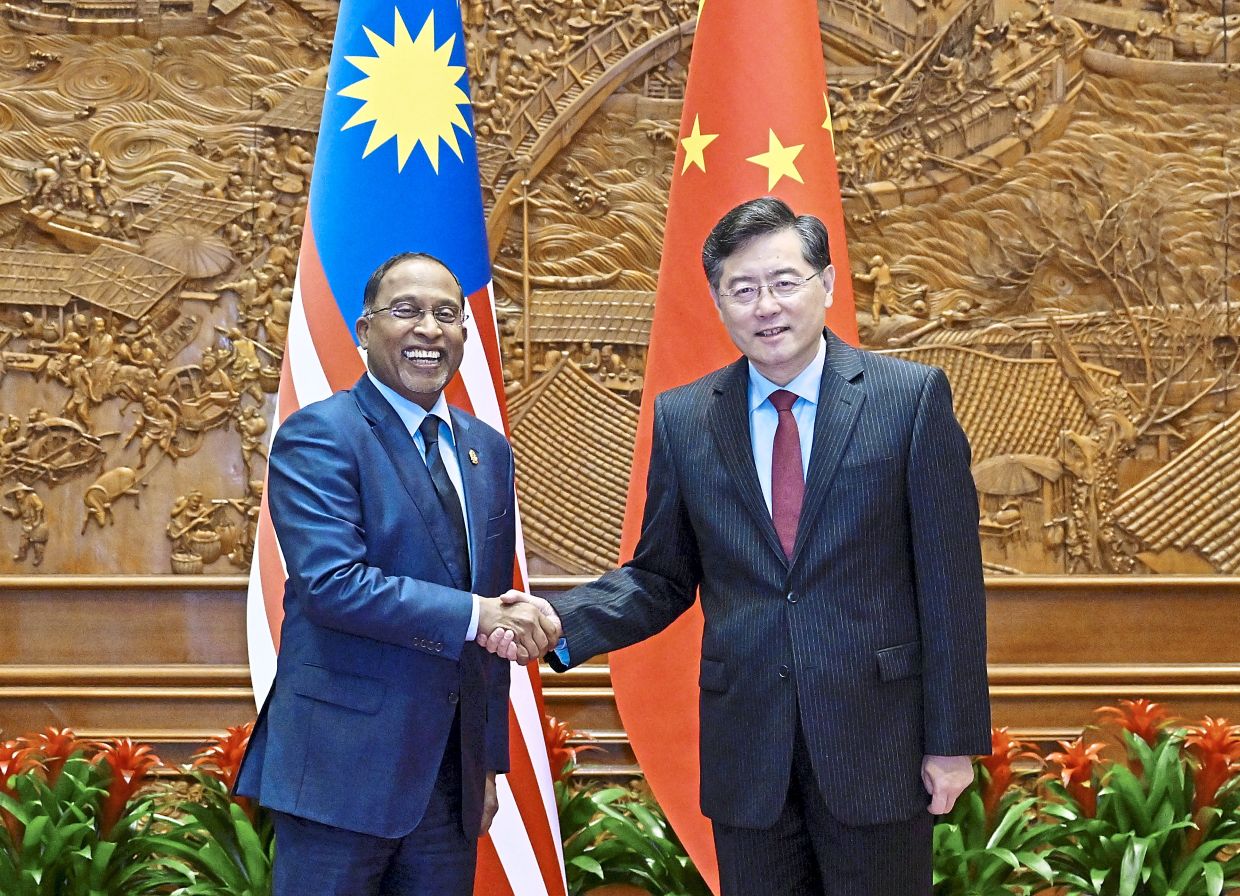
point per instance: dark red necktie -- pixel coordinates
(787, 474)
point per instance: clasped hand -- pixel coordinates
(517, 626)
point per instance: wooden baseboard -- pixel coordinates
(163, 659)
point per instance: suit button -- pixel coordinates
(439, 647)
(792, 597)
(452, 697)
(784, 672)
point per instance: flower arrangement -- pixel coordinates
(1139, 805)
(83, 818)
(1162, 820)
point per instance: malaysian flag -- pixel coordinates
(397, 170)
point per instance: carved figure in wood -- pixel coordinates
(28, 509)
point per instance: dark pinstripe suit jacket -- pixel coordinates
(874, 632)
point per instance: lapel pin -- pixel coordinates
(473, 457)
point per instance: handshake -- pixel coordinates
(517, 626)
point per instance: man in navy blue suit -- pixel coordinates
(379, 744)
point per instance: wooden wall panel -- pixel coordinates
(163, 659)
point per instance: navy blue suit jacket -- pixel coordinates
(872, 635)
(373, 664)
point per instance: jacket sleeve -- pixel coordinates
(947, 563)
(315, 495)
(645, 595)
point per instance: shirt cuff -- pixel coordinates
(472, 631)
(561, 651)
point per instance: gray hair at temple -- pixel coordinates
(759, 217)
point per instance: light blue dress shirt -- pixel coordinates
(763, 418)
(412, 416)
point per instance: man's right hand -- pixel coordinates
(516, 629)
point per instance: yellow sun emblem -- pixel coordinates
(410, 92)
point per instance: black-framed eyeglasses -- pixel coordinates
(447, 315)
(782, 288)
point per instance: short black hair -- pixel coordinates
(759, 217)
(376, 279)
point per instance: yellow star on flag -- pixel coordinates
(826, 122)
(779, 161)
(410, 92)
(695, 146)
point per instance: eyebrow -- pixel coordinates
(415, 299)
(776, 272)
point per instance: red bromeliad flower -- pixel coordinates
(221, 757)
(1141, 717)
(15, 758)
(128, 765)
(559, 753)
(561, 757)
(52, 747)
(1216, 747)
(1076, 771)
(1004, 750)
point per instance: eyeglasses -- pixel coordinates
(783, 288)
(446, 315)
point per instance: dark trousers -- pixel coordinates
(435, 859)
(809, 853)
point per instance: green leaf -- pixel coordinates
(1130, 866)
(1214, 878)
(1037, 864)
(1014, 815)
(588, 865)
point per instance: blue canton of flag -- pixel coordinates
(397, 165)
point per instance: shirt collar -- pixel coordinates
(804, 385)
(412, 414)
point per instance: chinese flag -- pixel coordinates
(755, 123)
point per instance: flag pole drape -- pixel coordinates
(396, 170)
(755, 123)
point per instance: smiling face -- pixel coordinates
(780, 336)
(414, 358)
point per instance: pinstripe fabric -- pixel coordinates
(807, 852)
(875, 629)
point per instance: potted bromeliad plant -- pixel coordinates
(72, 819)
(81, 818)
(617, 841)
(209, 842)
(1162, 821)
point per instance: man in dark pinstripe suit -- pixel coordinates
(820, 499)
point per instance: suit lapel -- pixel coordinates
(411, 470)
(729, 421)
(839, 406)
(477, 479)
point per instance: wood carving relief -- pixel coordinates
(154, 166)
(1039, 195)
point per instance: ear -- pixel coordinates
(828, 283)
(362, 328)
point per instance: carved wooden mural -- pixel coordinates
(1043, 199)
